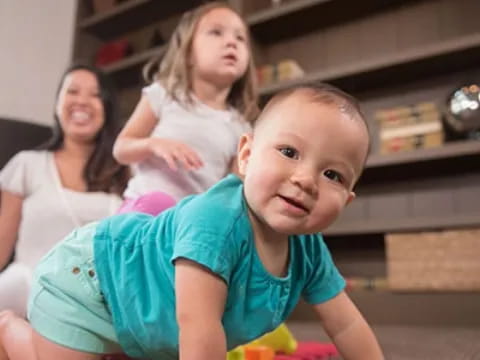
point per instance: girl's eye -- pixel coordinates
(216, 31)
(289, 152)
(72, 91)
(241, 38)
(333, 175)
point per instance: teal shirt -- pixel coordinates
(135, 254)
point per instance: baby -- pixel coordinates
(220, 268)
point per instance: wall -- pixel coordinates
(36, 39)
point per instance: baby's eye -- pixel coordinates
(241, 38)
(289, 152)
(333, 175)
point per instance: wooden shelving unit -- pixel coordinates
(130, 15)
(404, 225)
(133, 61)
(293, 18)
(407, 42)
(436, 58)
(449, 151)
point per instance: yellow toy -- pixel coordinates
(279, 340)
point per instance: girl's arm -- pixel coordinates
(132, 144)
(10, 215)
(200, 303)
(348, 329)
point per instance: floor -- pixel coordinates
(411, 343)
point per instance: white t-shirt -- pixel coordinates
(49, 211)
(213, 134)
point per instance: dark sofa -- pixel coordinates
(18, 135)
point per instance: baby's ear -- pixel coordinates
(350, 198)
(243, 152)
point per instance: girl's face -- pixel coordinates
(79, 106)
(219, 51)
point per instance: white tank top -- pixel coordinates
(49, 211)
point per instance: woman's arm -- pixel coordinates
(10, 215)
(348, 329)
(200, 301)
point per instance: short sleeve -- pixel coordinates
(240, 126)
(199, 239)
(156, 96)
(243, 126)
(14, 177)
(324, 281)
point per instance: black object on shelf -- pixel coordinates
(156, 39)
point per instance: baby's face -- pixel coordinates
(301, 164)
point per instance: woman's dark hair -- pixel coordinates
(102, 172)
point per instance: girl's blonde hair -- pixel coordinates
(172, 71)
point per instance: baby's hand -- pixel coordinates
(175, 152)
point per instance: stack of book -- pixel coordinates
(410, 127)
(366, 283)
(287, 69)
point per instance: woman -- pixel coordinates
(70, 181)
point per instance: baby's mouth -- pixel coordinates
(294, 202)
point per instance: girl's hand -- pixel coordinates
(174, 153)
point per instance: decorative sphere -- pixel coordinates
(463, 110)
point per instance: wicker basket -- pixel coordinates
(443, 261)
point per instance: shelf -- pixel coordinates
(447, 151)
(128, 71)
(301, 16)
(438, 58)
(131, 15)
(134, 60)
(404, 225)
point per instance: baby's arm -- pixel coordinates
(348, 329)
(200, 303)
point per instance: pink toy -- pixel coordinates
(311, 351)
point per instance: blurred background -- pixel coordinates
(409, 245)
